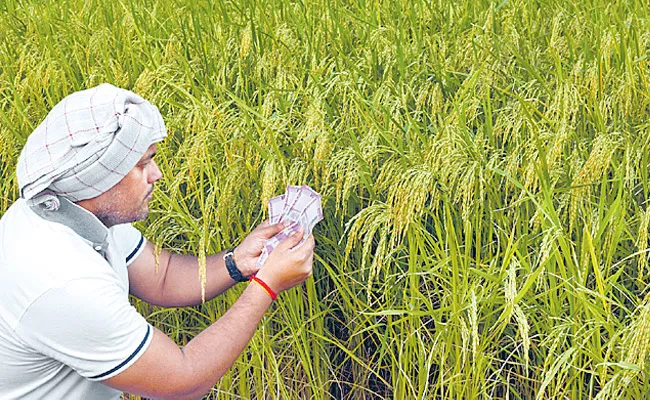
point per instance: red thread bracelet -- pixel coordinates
(264, 286)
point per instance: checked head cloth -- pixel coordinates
(86, 145)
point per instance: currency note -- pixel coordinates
(276, 206)
(299, 205)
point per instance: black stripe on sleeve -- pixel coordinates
(122, 364)
(130, 256)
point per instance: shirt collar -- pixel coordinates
(80, 220)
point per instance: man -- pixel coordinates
(69, 257)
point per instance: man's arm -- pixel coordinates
(165, 371)
(172, 280)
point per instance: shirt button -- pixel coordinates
(98, 248)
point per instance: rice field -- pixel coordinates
(483, 165)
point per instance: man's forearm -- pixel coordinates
(167, 372)
(226, 338)
(172, 280)
(182, 286)
(175, 282)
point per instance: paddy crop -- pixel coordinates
(484, 167)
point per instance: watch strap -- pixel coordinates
(233, 271)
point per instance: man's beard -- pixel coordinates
(112, 218)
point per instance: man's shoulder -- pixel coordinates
(20, 218)
(37, 255)
(25, 235)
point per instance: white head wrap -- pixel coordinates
(86, 145)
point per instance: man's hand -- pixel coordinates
(290, 263)
(249, 251)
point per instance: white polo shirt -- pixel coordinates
(66, 322)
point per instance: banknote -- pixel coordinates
(276, 206)
(300, 206)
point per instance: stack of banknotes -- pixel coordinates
(301, 207)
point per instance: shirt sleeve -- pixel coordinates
(88, 325)
(129, 240)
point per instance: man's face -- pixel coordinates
(128, 201)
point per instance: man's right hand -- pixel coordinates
(289, 264)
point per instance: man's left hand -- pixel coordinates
(249, 251)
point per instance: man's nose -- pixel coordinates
(155, 173)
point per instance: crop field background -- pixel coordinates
(484, 167)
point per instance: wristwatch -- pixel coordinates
(234, 272)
